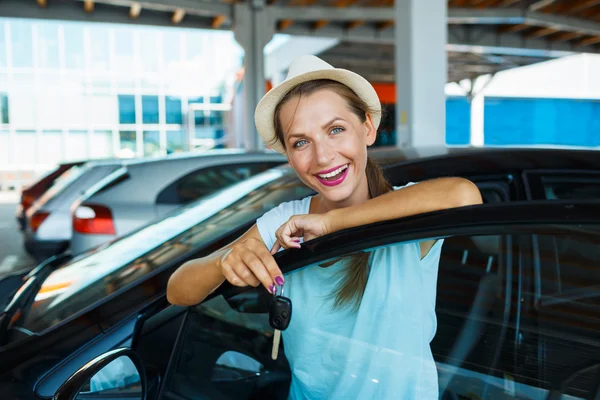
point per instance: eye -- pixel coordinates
(300, 143)
(336, 130)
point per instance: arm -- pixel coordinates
(433, 195)
(424, 197)
(245, 261)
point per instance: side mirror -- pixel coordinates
(116, 374)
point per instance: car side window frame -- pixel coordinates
(534, 185)
(169, 195)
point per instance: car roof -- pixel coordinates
(468, 161)
(196, 155)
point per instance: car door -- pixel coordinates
(224, 348)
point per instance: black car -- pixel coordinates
(518, 306)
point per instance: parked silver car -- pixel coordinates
(49, 223)
(144, 190)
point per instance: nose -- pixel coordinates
(323, 152)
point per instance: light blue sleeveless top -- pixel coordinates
(379, 352)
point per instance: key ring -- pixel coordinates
(275, 293)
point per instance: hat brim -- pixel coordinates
(264, 114)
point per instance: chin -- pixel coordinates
(336, 195)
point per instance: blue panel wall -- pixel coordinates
(458, 121)
(523, 121)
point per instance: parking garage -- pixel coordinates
(129, 147)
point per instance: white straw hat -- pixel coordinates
(304, 69)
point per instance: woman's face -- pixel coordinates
(326, 144)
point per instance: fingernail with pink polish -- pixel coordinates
(272, 288)
(279, 280)
(296, 240)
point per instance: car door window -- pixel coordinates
(560, 345)
(208, 180)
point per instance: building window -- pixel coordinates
(48, 54)
(22, 44)
(3, 108)
(199, 119)
(127, 144)
(150, 109)
(3, 63)
(151, 143)
(175, 141)
(126, 109)
(173, 110)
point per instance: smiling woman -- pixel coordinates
(324, 119)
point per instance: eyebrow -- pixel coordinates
(325, 125)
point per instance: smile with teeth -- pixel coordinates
(333, 174)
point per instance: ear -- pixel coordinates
(371, 132)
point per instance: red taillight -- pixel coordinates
(26, 201)
(93, 219)
(36, 220)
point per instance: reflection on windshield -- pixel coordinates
(87, 280)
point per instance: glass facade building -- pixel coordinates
(71, 91)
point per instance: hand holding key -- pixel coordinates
(249, 263)
(280, 316)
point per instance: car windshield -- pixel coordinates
(91, 278)
(64, 180)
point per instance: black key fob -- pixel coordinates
(280, 314)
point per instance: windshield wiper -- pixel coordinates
(26, 294)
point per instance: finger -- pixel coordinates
(290, 233)
(231, 276)
(258, 269)
(244, 272)
(275, 247)
(272, 267)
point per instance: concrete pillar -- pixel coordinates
(421, 72)
(254, 27)
(477, 101)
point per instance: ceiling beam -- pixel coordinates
(455, 16)
(579, 5)
(218, 21)
(88, 6)
(565, 36)
(178, 16)
(564, 23)
(538, 5)
(320, 24)
(541, 32)
(135, 10)
(191, 7)
(513, 28)
(74, 11)
(588, 42)
(460, 38)
(284, 24)
(355, 24)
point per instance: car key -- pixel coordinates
(280, 315)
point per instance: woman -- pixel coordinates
(362, 325)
